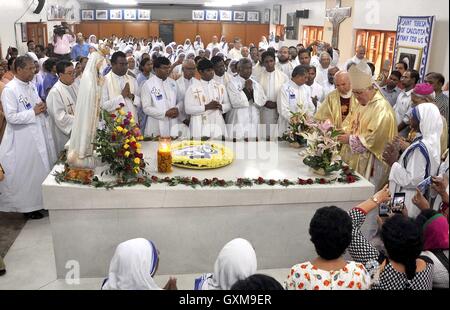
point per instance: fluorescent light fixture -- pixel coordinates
(121, 2)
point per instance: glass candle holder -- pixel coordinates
(164, 155)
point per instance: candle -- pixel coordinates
(164, 155)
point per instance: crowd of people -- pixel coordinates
(394, 131)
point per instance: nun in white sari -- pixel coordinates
(133, 266)
(236, 261)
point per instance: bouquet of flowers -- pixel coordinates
(298, 124)
(322, 151)
(118, 145)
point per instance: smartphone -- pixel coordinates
(398, 203)
(383, 209)
(424, 185)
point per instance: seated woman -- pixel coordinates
(331, 233)
(133, 266)
(236, 261)
(403, 267)
(421, 159)
(435, 246)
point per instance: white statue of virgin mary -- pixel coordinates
(87, 110)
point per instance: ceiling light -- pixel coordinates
(121, 2)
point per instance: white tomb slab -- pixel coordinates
(190, 225)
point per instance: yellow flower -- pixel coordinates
(127, 141)
(127, 154)
(138, 145)
(140, 138)
(132, 139)
(136, 170)
(132, 120)
(121, 112)
(138, 151)
(126, 146)
(137, 160)
(125, 131)
(119, 128)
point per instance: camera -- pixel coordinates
(59, 30)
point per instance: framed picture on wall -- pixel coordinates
(411, 55)
(239, 16)
(144, 14)
(225, 15)
(87, 14)
(291, 26)
(115, 14)
(266, 16)
(101, 14)
(212, 15)
(56, 12)
(253, 16)
(129, 14)
(198, 15)
(276, 14)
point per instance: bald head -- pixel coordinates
(342, 82)
(360, 52)
(188, 69)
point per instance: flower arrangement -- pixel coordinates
(118, 145)
(322, 152)
(299, 123)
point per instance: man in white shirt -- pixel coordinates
(246, 97)
(293, 56)
(292, 94)
(359, 56)
(271, 79)
(27, 151)
(61, 102)
(223, 45)
(235, 52)
(159, 101)
(206, 101)
(183, 83)
(284, 64)
(322, 68)
(403, 104)
(120, 88)
(220, 75)
(329, 86)
(317, 93)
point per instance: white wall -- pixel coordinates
(316, 16)
(383, 15)
(11, 10)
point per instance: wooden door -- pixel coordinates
(183, 31)
(166, 32)
(38, 33)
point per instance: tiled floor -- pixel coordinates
(30, 264)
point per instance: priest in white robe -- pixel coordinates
(293, 94)
(220, 74)
(27, 151)
(206, 101)
(119, 87)
(247, 98)
(317, 92)
(183, 83)
(284, 64)
(61, 102)
(159, 101)
(322, 68)
(271, 80)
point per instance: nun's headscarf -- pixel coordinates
(430, 123)
(92, 39)
(132, 266)
(236, 261)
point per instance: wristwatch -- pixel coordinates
(375, 199)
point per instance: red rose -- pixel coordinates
(113, 115)
(195, 180)
(126, 122)
(140, 155)
(322, 181)
(155, 178)
(261, 180)
(309, 181)
(272, 182)
(113, 138)
(222, 182)
(301, 181)
(206, 181)
(351, 179)
(215, 179)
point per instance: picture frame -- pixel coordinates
(225, 15)
(130, 14)
(239, 16)
(56, 12)
(23, 31)
(411, 55)
(115, 14)
(253, 16)
(144, 14)
(211, 15)
(276, 14)
(101, 14)
(198, 15)
(266, 16)
(87, 15)
(291, 26)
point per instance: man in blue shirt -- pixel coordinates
(81, 49)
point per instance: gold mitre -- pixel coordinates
(360, 76)
(103, 49)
